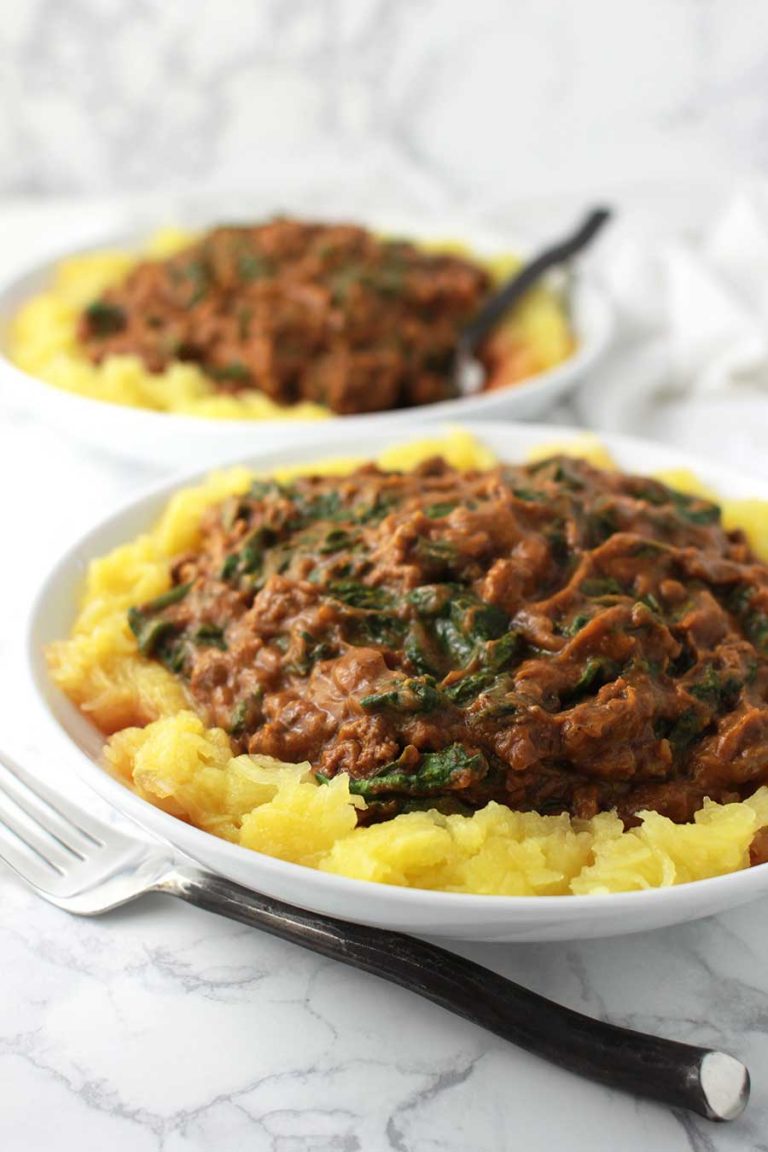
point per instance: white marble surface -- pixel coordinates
(490, 99)
(164, 1028)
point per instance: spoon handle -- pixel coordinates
(502, 300)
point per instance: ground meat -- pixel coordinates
(758, 849)
(548, 636)
(327, 313)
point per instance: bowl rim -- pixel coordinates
(587, 300)
(176, 831)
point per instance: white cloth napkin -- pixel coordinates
(689, 363)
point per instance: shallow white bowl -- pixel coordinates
(180, 441)
(77, 745)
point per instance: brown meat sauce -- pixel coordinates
(325, 313)
(548, 636)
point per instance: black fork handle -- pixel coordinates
(702, 1080)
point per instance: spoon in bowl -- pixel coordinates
(468, 372)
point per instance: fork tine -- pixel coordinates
(41, 814)
(25, 860)
(49, 805)
(25, 827)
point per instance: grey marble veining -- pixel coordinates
(163, 1029)
(488, 100)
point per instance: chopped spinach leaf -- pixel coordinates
(416, 653)
(253, 266)
(415, 694)
(104, 319)
(597, 671)
(335, 540)
(693, 508)
(165, 599)
(437, 554)
(437, 511)
(576, 624)
(210, 636)
(247, 713)
(466, 689)
(234, 371)
(359, 595)
(717, 689)
(313, 648)
(451, 767)
(372, 513)
(155, 635)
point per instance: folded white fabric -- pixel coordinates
(689, 363)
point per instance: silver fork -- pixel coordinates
(87, 866)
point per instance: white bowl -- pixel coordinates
(180, 441)
(77, 744)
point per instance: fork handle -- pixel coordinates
(702, 1080)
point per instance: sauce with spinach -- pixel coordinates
(328, 313)
(548, 636)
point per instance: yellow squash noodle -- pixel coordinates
(163, 750)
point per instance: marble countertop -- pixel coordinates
(164, 1028)
(161, 1027)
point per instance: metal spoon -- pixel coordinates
(468, 372)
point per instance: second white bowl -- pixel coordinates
(175, 441)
